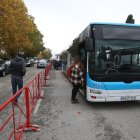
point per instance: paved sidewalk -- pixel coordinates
(58, 117)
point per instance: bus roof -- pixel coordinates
(86, 32)
(120, 24)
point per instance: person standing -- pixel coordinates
(17, 69)
(77, 78)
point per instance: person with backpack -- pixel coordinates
(17, 69)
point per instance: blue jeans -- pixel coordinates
(17, 82)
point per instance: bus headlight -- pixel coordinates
(95, 91)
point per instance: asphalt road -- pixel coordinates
(61, 120)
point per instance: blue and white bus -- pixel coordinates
(111, 58)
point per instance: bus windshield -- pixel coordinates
(115, 60)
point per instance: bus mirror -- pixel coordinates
(89, 44)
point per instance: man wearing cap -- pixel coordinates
(17, 69)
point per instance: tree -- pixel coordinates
(15, 25)
(130, 19)
(73, 48)
(46, 54)
(36, 39)
(63, 55)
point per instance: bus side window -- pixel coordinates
(82, 54)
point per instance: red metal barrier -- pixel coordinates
(15, 118)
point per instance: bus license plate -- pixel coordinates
(128, 98)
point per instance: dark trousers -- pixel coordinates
(17, 82)
(74, 91)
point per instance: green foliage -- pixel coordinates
(130, 19)
(18, 32)
(4, 55)
(73, 48)
(63, 55)
(36, 39)
(46, 54)
(14, 26)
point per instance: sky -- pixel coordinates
(61, 21)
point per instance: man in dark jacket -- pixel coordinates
(18, 69)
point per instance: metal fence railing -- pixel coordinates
(15, 117)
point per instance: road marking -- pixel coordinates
(38, 103)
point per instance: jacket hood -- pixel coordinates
(17, 59)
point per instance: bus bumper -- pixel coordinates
(96, 98)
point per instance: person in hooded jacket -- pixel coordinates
(17, 69)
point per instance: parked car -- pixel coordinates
(4, 67)
(36, 61)
(42, 63)
(29, 63)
